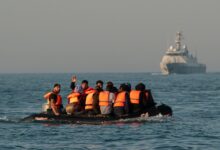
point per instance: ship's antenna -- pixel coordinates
(178, 40)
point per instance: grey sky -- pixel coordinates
(104, 35)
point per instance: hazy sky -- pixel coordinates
(104, 35)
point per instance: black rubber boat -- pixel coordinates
(75, 119)
(163, 109)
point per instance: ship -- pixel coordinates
(178, 60)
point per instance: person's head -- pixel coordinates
(110, 83)
(128, 87)
(56, 88)
(99, 83)
(140, 87)
(84, 84)
(165, 110)
(122, 87)
(109, 87)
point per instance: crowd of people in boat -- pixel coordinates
(110, 100)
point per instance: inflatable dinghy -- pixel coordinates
(163, 110)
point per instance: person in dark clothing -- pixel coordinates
(113, 88)
(146, 99)
(96, 108)
(54, 109)
(150, 101)
(54, 100)
(86, 90)
(128, 87)
(122, 102)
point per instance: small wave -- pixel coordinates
(5, 119)
(158, 118)
(156, 73)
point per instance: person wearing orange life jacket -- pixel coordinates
(92, 107)
(122, 102)
(96, 107)
(144, 102)
(106, 100)
(113, 89)
(54, 100)
(85, 87)
(137, 98)
(74, 101)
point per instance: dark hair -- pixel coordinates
(110, 83)
(128, 87)
(100, 81)
(56, 84)
(85, 81)
(140, 87)
(165, 110)
(123, 87)
(109, 87)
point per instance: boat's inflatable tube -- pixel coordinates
(163, 109)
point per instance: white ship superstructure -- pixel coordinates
(178, 60)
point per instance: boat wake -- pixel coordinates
(142, 119)
(5, 119)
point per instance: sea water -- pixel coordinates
(195, 100)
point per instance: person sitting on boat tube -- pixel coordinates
(74, 101)
(54, 100)
(122, 101)
(92, 101)
(113, 88)
(106, 100)
(85, 88)
(96, 107)
(141, 99)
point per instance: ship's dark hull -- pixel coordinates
(182, 68)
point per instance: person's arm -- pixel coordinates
(127, 104)
(54, 108)
(73, 82)
(47, 95)
(53, 100)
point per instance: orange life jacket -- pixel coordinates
(135, 97)
(73, 97)
(88, 90)
(120, 100)
(104, 98)
(59, 98)
(89, 100)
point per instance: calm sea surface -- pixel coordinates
(195, 100)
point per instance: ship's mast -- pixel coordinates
(178, 40)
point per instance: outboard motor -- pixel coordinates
(165, 110)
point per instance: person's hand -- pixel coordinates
(74, 79)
